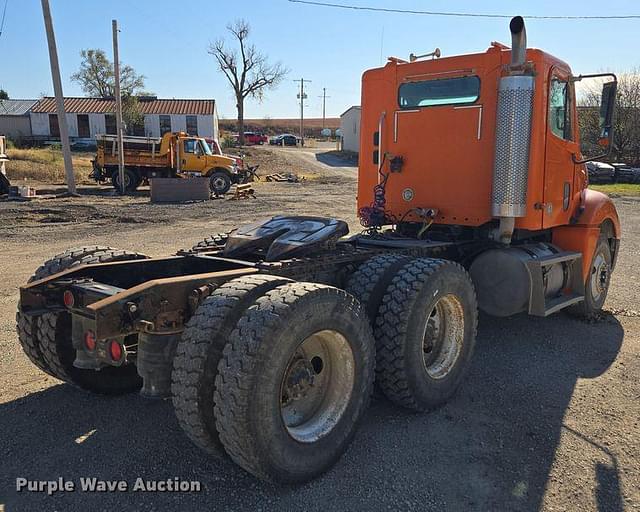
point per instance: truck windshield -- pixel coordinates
(205, 147)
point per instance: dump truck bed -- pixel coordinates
(138, 152)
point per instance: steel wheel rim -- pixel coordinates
(317, 385)
(599, 276)
(219, 183)
(443, 337)
(127, 180)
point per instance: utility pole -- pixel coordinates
(119, 123)
(324, 102)
(57, 89)
(302, 96)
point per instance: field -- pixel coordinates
(547, 419)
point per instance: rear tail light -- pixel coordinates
(90, 341)
(68, 298)
(115, 350)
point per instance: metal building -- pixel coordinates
(14, 118)
(350, 129)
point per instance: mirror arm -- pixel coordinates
(591, 159)
(594, 75)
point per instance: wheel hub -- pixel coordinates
(443, 337)
(299, 379)
(316, 386)
(599, 276)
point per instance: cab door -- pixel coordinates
(192, 157)
(560, 149)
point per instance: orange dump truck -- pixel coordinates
(172, 155)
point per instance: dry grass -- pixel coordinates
(45, 165)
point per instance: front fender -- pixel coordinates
(583, 233)
(227, 170)
(596, 208)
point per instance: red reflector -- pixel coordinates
(90, 341)
(68, 299)
(115, 350)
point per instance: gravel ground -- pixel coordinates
(547, 419)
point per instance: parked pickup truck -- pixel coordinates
(173, 155)
(253, 138)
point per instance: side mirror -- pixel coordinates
(607, 108)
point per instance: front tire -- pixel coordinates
(220, 183)
(597, 282)
(294, 382)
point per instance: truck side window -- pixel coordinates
(560, 108)
(190, 145)
(444, 91)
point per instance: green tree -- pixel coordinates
(96, 76)
(3, 95)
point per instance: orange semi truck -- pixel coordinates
(473, 193)
(172, 155)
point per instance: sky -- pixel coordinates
(168, 41)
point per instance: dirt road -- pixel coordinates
(548, 418)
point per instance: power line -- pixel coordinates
(4, 13)
(460, 14)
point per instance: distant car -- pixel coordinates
(285, 139)
(600, 172)
(252, 138)
(83, 145)
(625, 173)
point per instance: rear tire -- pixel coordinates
(47, 338)
(132, 180)
(425, 333)
(26, 325)
(369, 283)
(294, 382)
(199, 351)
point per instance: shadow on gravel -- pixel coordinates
(490, 448)
(330, 159)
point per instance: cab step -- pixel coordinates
(539, 304)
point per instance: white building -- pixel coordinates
(88, 117)
(350, 129)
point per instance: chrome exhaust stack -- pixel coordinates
(513, 137)
(518, 42)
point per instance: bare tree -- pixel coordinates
(248, 70)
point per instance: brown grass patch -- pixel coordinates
(45, 165)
